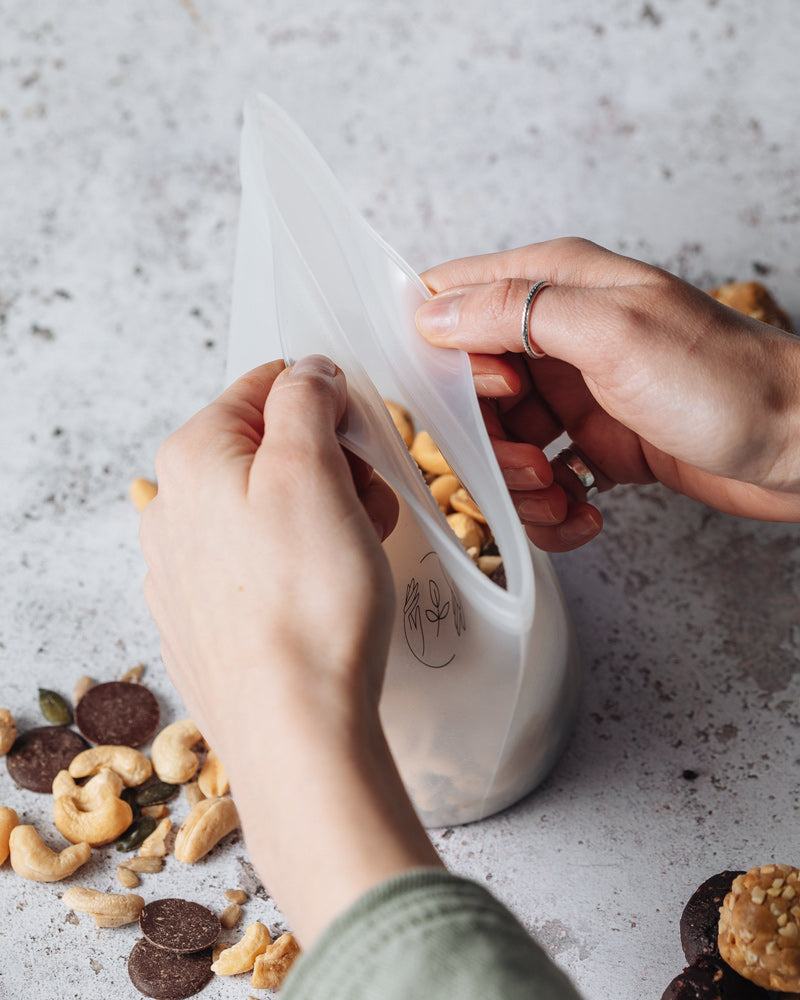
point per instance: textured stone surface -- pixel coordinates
(666, 130)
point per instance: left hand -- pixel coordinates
(275, 604)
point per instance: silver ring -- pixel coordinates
(580, 470)
(526, 319)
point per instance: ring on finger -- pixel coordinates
(526, 320)
(576, 465)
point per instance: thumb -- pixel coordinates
(302, 410)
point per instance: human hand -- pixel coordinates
(651, 378)
(275, 605)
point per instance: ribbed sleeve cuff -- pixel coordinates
(421, 932)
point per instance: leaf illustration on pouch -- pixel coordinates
(436, 614)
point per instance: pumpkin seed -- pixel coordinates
(136, 833)
(54, 708)
(155, 794)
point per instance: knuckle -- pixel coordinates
(503, 299)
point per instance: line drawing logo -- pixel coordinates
(433, 615)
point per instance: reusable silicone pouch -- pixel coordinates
(481, 681)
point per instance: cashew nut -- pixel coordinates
(230, 915)
(134, 675)
(101, 824)
(126, 878)
(171, 752)
(8, 820)
(402, 421)
(139, 864)
(468, 532)
(194, 794)
(427, 456)
(32, 858)
(205, 826)
(131, 765)
(442, 488)
(236, 895)
(488, 564)
(82, 685)
(212, 778)
(104, 785)
(463, 502)
(8, 731)
(272, 966)
(155, 812)
(241, 956)
(142, 492)
(155, 846)
(109, 909)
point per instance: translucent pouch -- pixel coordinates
(481, 681)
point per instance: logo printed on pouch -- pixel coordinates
(433, 616)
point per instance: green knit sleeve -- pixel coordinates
(429, 935)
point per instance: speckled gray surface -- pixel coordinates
(664, 129)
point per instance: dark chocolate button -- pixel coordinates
(38, 755)
(179, 925)
(707, 979)
(165, 975)
(119, 713)
(700, 917)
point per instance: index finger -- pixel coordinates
(566, 261)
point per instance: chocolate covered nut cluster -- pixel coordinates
(759, 927)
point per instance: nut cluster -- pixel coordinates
(759, 927)
(461, 512)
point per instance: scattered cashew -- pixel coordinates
(105, 784)
(194, 794)
(8, 731)
(32, 858)
(155, 812)
(212, 779)
(131, 765)
(155, 846)
(126, 878)
(442, 488)
(272, 966)
(82, 685)
(171, 752)
(488, 564)
(100, 825)
(205, 826)
(241, 956)
(468, 532)
(134, 675)
(139, 864)
(461, 501)
(236, 895)
(8, 820)
(230, 916)
(402, 421)
(109, 909)
(427, 456)
(142, 492)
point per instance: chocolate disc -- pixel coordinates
(700, 917)
(38, 755)
(707, 979)
(165, 975)
(179, 925)
(118, 712)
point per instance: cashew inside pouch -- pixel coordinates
(481, 683)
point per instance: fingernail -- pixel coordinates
(521, 479)
(491, 385)
(439, 315)
(580, 530)
(535, 510)
(314, 364)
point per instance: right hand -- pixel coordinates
(651, 378)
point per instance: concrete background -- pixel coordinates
(667, 130)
